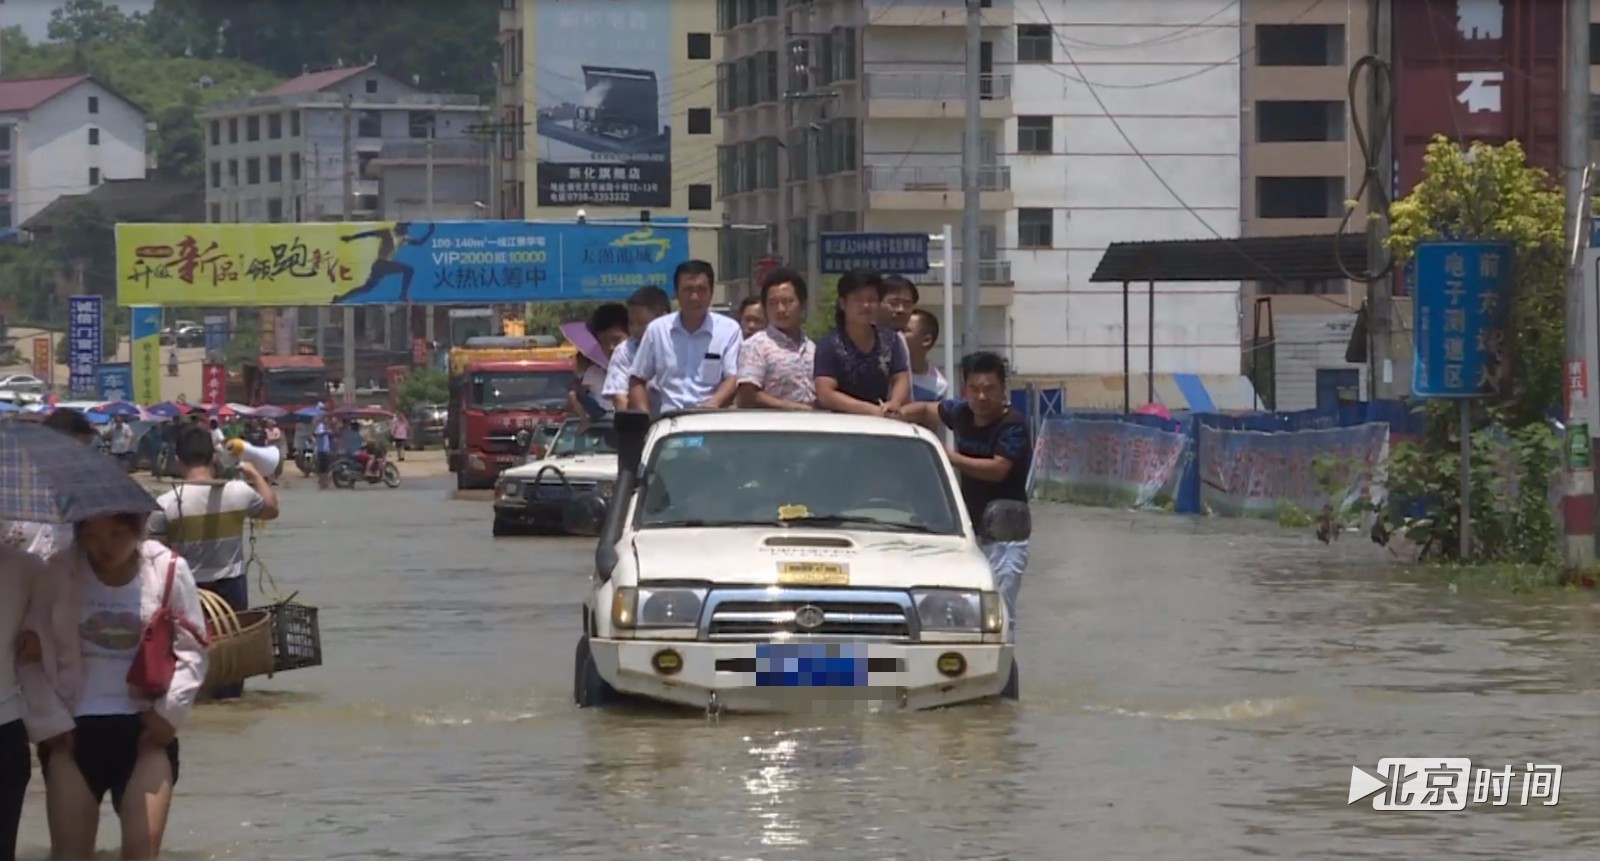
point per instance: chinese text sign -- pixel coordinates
(115, 382)
(889, 253)
(1462, 289)
(84, 338)
(146, 337)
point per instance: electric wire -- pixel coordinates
(1370, 143)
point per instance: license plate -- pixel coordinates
(810, 665)
(551, 491)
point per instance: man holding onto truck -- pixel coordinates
(644, 307)
(692, 356)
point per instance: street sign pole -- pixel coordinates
(1460, 305)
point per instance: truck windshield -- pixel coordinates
(295, 387)
(574, 440)
(859, 481)
(521, 390)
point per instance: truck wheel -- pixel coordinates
(1012, 689)
(589, 691)
(461, 480)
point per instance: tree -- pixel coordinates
(1486, 192)
(422, 386)
(79, 22)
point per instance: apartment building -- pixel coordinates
(855, 109)
(280, 156)
(1300, 163)
(617, 106)
(63, 136)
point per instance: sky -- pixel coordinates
(33, 16)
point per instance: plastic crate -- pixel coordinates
(296, 637)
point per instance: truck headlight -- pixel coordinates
(509, 489)
(634, 607)
(949, 609)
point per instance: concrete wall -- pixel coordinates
(51, 153)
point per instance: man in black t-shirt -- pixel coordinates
(992, 452)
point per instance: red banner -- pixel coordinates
(44, 366)
(419, 349)
(213, 383)
(765, 264)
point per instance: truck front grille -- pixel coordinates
(761, 614)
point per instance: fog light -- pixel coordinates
(952, 664)
(668, 662)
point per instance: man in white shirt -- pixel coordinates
(927, 383)
(120, 435)
(646, 305)
(205, 522)
(691, 356)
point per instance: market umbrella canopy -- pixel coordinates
(269, 412)
(48, 477)
(119, 408)
(168, 410)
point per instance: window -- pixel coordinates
(364, 165)
(252, 171)
(1036, 43)
(5, 215)
(838, 146)
(94, 176)
(94, 136)
(1035, 135)
(699, 121)
(216, 132)
(274, 126)
(275, 168)
(700, 196)
(1594, 44)
(1296, 122)
(699, 46)
(5, 177)
(1035, 228)
(369, 125)
(294, 124)
(94, 104)
(233, 171)
(1299, 44)
(215, 212)
(233, 130)
(216, 174)
(1299, 196)
(252, 128)
(1314, 287)
(372, 86)
(420, 123)
(294, 166)
(5, 139)
(274, 210)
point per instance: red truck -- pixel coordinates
(290, 382)
(496, 392)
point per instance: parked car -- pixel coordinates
(427, 426)
(27, 383)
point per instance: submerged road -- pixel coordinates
(1191, 689)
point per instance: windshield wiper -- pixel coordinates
(853, 520)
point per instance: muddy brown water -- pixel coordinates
(1191, 689)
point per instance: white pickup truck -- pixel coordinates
(760, 561)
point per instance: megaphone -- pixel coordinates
(265, 458)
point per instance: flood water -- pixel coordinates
(1190, 690)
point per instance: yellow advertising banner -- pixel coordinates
(145, 335)
(44, 366)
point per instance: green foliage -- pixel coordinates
(423, 386)
(1490, 193)
(243, 346)
(821, 321)
(547, 317)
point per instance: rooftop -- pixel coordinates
(25, 94)
(159, 197)
(316, 82)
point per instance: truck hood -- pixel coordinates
(596, 467)
(755, 556)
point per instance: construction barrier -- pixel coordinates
(1107, 463)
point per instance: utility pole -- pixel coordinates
(321, 194)
(349, 171)
(797, 92)
(971, 187)
(1381, 366)
(1578, 504)
(427, 310)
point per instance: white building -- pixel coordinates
(884, 106)
(61, 136)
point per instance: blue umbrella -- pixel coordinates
(7, 407)
(97, 418)
(48, 477)
(269, 412)
(119, 408)
(166, 410)
(309, 412)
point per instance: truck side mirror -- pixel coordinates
(584, 514)
(631, 427)
(1006, 520)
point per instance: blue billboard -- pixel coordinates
(114, 382)
(1460, 308)
(84, 339)
(889, 253)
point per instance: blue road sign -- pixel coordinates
(216, 335)
(115, 382)
(1461, 293)
(889, 253)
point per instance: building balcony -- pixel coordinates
(989, 272)
(936, 188)
(934, 95)
(933, 13)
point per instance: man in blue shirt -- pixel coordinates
(324, 451)
(993, 453)
(690, 356)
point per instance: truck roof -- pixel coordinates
(279, 363)
(460, 357)
(520, 365)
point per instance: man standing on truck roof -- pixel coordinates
(692, 355)
(993, 454)
(644, 306)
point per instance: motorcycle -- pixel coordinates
(306, 460)
(348, 471)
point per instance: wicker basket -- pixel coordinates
(241, 643)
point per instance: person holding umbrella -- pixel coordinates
(21, 576)
(40, 538)
(96, 603)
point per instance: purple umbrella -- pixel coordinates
(269, 412)
(577, 333)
